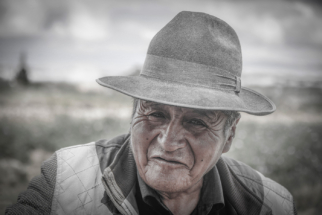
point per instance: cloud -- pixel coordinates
(114, 35)
(82, 24)
(257, 21)
(54, 18)
(20, 17)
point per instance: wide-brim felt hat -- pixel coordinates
(195, 61)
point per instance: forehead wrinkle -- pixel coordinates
(150, 103)
(144, 106)
(207, 113)
(214, 117)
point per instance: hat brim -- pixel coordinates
(183, 95)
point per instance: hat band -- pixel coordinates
(189, 73)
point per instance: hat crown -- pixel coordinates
(195, 61)
(199, 38)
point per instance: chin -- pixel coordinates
(170, 181)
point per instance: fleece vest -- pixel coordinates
(97, 178)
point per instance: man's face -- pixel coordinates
(175, 147)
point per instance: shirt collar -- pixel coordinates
(211, 191)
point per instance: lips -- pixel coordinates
(168, 160)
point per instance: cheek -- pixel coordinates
(207, 152)
(141, 137)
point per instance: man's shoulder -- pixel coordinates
(116, 142)
(250, 176)
(103, 144)
(101, 153)
(274, 195)
(79, 171)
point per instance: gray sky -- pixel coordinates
(79, 41)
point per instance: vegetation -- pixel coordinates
(36, 120)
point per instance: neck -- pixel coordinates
(182, 203)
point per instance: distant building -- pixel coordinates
(22, 75)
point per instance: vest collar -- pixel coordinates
(237, 195)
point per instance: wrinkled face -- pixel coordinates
(175, 147)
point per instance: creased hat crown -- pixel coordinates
(199, 38)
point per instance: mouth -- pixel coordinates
(168, 161)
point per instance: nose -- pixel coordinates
(171, 137)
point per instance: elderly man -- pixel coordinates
(186, 104)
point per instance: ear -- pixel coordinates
(231, 135)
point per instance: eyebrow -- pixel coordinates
(149, 104)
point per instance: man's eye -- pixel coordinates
(197, 122)
(157, 115)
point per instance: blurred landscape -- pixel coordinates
(37, 119)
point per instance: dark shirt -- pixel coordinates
(211, 197)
